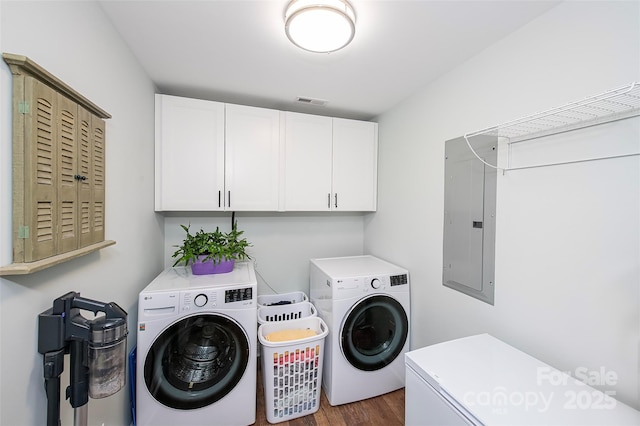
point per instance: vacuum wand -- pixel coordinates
(97, 351)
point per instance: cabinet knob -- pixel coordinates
(79, 177)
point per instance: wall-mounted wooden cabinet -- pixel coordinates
(213, 157)
(58, 170)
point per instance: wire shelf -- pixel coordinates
(609, 106)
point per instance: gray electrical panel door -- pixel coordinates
(469, 217)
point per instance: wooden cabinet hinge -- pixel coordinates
(23, 107)
(23, 232)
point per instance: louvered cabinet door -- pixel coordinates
(97, 179)
(38, 230)
(91, 178)
(66, 236)
(84, 177)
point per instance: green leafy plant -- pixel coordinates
(216, 245)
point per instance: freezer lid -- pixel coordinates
(498, 384)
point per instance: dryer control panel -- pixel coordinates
(354, 286)
(399, 280)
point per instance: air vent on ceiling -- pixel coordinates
(311, 101)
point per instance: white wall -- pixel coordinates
(74, 41)
(568, 237)
(584, 313)
(282, 243)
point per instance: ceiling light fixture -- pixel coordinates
(320, 25)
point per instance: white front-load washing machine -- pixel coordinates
(365, 302)
(197, 348)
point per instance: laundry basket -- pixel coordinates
(292, 369)
(282, 299)
(286, 312)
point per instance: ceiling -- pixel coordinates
(236, 51)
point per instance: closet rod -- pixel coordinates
(560, 163)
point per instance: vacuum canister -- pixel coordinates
(107, 356)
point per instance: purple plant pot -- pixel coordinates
(209, 267)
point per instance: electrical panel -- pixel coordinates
(469, 217)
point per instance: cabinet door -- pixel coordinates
(98, 182)
(91, 182)
(355, 165)
(85, 153)
(307, 174)
(189, 154)
(252, 158)
(40, 175)
(68, 122)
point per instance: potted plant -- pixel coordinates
(211, 252)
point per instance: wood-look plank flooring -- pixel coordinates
(384, 410)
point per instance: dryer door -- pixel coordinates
(374, 332)
(196, 361)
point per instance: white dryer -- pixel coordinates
(196, 351)
(365, 302)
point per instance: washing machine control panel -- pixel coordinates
(238, 295)
(198, 299)
(211, 298)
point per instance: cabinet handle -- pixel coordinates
(79, 177)
(219, 193)
(336, 200)
(229, 197)
(329, 200)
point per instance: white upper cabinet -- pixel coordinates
(355, 165)
(212, 156)
(307, 165)
(330, 164)
(189, 154)
(252, 167)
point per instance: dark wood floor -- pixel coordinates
(384, 410)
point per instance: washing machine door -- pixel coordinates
(196, 361)
(374, 332)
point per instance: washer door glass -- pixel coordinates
(374, 333)
(196, 361)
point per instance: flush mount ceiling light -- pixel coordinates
(320, 25)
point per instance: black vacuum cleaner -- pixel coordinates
(97, 348)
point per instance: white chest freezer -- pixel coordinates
(480, 380)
